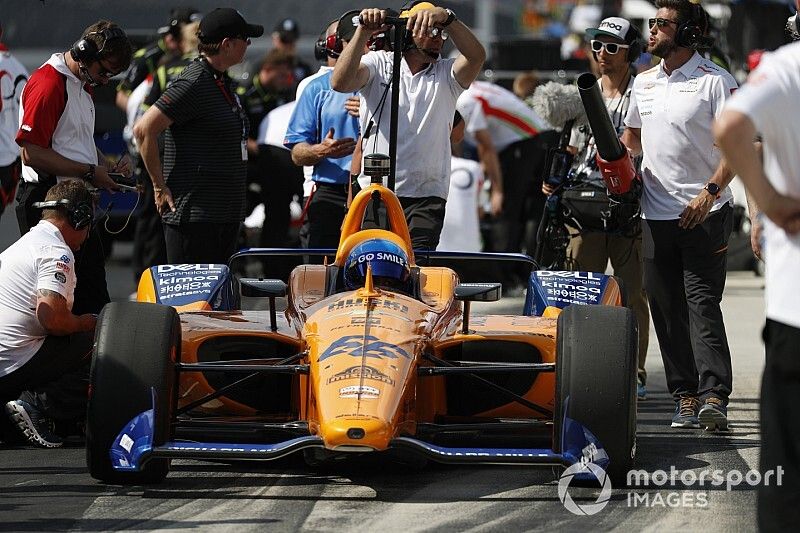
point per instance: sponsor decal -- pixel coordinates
(26, 127)
(373, 304)
(365, 321)
(606, 24)
(64, 258)
(62, 266)
(381, 256)
(60, 277)
(126, 442)
(366, 346)
(361, 372)
(359, 391)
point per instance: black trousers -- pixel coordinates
(780, 436)
(91, 291)
(200, 242)
(149, 248)
(323, 225)
(56, 379)
(684, 276)
(425, 218)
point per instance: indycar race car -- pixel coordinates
(373, 354)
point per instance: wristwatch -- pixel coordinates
(89, 176)
(450, 17)
(713, 189)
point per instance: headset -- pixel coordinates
(85, 50)
(691, 33)
(79, 216)
(636, 44)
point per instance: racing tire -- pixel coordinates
(134, 350)
(596, 380)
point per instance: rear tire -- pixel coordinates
(135, 347)
(596, 372)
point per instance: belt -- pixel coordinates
(336, 186)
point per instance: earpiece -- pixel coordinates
(692, 33)
(85, 51)
(80, 216)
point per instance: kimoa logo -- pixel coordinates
(617, 27)
(586, 509)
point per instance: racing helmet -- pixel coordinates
(389, 263)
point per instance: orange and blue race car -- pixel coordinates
(372, 354)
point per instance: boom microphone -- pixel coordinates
(558, 104)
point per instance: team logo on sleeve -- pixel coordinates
(64, 258)
(60, 277)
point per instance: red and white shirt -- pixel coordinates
(486, 106)
(40, 259)
(57, 112)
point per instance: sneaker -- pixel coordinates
(641, 390)
(34, 425)
(714, 414)
(686, 413)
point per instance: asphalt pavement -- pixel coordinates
(50, 490)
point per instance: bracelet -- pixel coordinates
(89, 175)
(451, 17)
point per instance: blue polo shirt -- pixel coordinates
(319, 109)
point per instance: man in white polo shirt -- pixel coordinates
(686, 207)
(767, 104)
(429, 88)
(45, 349)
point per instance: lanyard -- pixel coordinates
(236, 107)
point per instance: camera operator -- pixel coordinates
(687, 210)
(615, 45)
(45, 347)
(56, 139)
(430, 87)
(767, 104)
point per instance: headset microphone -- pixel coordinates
(793, 27)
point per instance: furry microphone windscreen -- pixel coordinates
(558, 103)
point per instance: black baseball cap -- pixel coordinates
(178, 16)
(226, 22)
(287, 30)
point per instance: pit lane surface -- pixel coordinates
(47, 490)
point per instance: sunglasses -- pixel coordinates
(436, 32)
(105, 72)
(611, 48)
(660, 22)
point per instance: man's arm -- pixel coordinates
(491, 168)
(734, 132)
(470, 61)
(49, 161)
(305, 154)
(146, 130)
(122, 100)
(698, 209)
(56, 318)
(349, 74)
(632, 139)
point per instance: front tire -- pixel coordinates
(135, 349)
(596, 379)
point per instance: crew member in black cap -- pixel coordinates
(200, 189)
(284, 37)
(146, 60)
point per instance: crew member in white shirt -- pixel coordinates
(45, 349)
(768, 104)
(429, 87)
(686, 208)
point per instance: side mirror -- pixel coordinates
(479, 292)
(256, 287)
(476, 292)
(269, 288)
